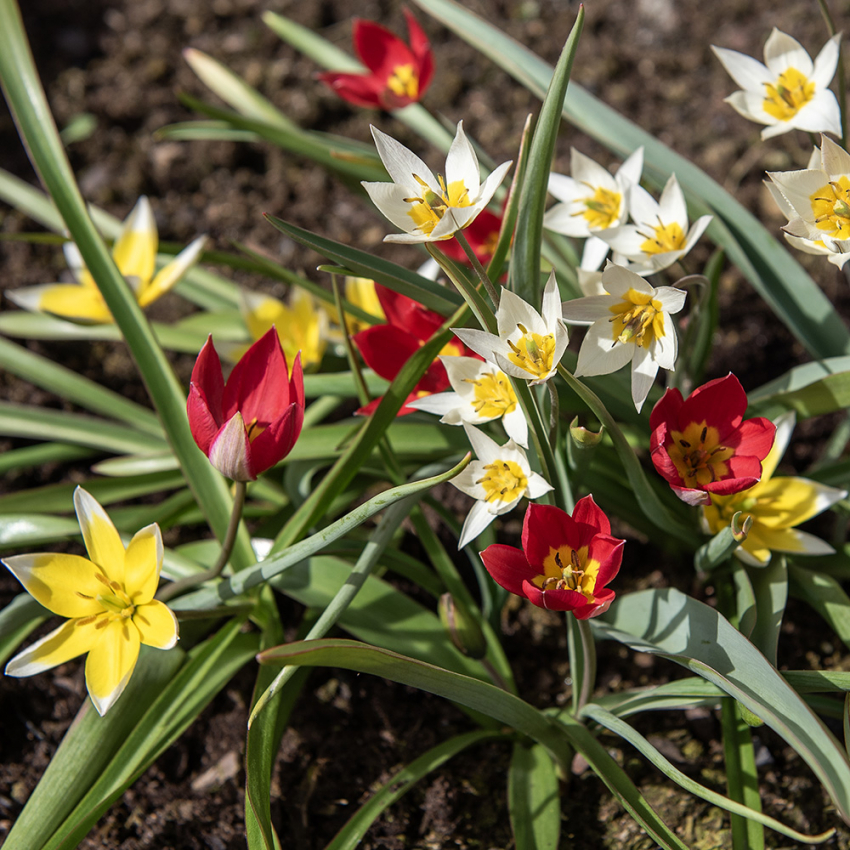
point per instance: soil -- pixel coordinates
(121, 63)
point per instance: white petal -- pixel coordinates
(389, 199)
(565, 188)
(618, 281)
(493, 181)
(586, 311)
(437, 403)
(73, 258)
(782, 52)
(672, 299)
(625, 239)
(630, 171)
(600, 354)
(672, 206)
(486, 450)
(836, 160)
(516, 426)
(644, 370)
(481, 342)
(566, 219)
(797, 187)
(820, 115)
(784, 428)
(593, 175)
(476, 521)
(594, 253)
(462, 163)
(537, 486)
(513, 311)
(781, 201)
(751, 106)
(551, 312)
(826, 62)
(664, 349)
(643, 208)
(401, 163)
(748, 73)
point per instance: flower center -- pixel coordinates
(428, 209)
(254, 428)
(638, 319)
(831, 208)
(115, 602)
(404, 81)
(698, 455)
(533, 352)
(504, 481)
(494, 396)
(787, 95)
(663, 238)
(602, 208)
(566, 568)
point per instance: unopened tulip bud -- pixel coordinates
(462, 628)
(584, 438)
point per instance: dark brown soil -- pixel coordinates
(122, 63)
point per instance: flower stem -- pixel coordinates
(479, 269)
(582, 661)
(169, 591)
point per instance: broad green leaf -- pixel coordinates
(73, 387)
(31, 529)
(770, 585)
(233, 90)
(88, 749)
(400, 783)
(768, 266)
(560, 739)
(533, 798)
(28, 104)
(42, 454)
(18, 619)
(525, 263)
(627, 732)
(427, 292)
(825, 595)
(275, 565)
(689, 692)
(811, 389)
(671, 624)
(171, 707)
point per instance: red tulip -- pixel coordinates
(250, 423)
(703, 445)
(565, 562)
(386, 348)
(398, 74)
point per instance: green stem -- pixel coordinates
(169, 591)
(842, 82)
(582, 661)
(479, 269)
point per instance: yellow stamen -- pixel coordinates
(504, 481)
(663, 238)
(791, 92)
(698, 455)
(638, 319)
(602, 208)
(566, 568)
(494, 396)
(428, 210)
(404, 81)
(831, 208)
(533, 353)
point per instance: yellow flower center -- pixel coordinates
(638, 319)
(788, 95)
(565, 568)
(831, 208)
(698, 455)
(602, 208)
(663, 238)
(404, 81)
(494, 396)
(504, 481)
(533, 352)
(427, 210)
(116, 604)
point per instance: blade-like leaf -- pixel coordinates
(533, 798)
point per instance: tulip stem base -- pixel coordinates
(479, 269)
(582, 661)
(169, 591)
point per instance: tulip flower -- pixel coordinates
(591, 200)
(398, 74)
(565, 562)
(302, 325)
(386, 348)
(497, 481)
(789, 91)
(528, 345)
(134, 253)
(776, 505)
(482, 393)
(703, 444)
(108, 599)
(429, 208)
(251, 422)
(660, 234)
(629, 323)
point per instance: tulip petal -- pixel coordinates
(478, 518)
(209, 382)
(359, 89)
(545, 529)
(102, 540)
(142, 564)
(111, 662)
(258, 386)
(588, 512)
(68, 641)
(276, 442)
(509, 567)
(65, 584)
(134, 251)
(169, 275)
(720, 403)
(201, 422)
(67, 300)
(157, 625)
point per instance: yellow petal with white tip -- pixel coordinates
(170, 275)
(135, 249)
(142, 563)
(110, 663)
(157, 625)
(68, 641)
(102, 541)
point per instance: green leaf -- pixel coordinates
(560, 739)
(533, 798)
(671, 624)
(823, 593)
(41, 455)
(427, 292)
(811, 389)
(774, 274)
(31, 529)
(624, 730)
(18, 619)
(525, 265)
(770, 585)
